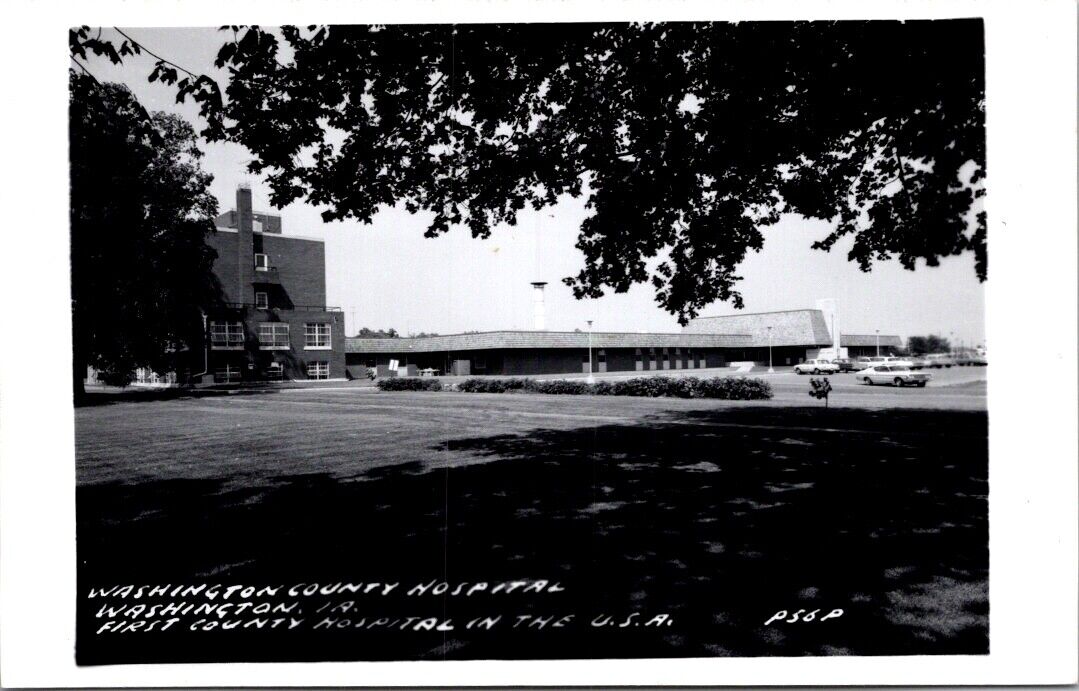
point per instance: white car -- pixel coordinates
(939, 360)
(899, 362)
(893, 374)
(816, 367)
(919, 362)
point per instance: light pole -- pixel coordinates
(878, 342)
(770, 370)
(591, 379)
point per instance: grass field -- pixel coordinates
(718, 514)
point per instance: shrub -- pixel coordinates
(557, 386)
(484, 385)
(724, 388)
(409, 384)
(733, 389)
(820, 388)
(655, 387)
(602, 388)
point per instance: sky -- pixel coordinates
(387, 275)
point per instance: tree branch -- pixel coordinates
(902, 176)
(155, 55)
(86, 71)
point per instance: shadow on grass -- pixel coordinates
(109, 397)
(718, 518)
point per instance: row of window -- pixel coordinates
(669, 359)
(228, 374)
(601, 355)
(272, 336)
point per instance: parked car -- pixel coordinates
(939, 360)
(817, 366)
(897, 361)
(894, 374)
(981, 360)
(865, 362)
(919, 362)
(847, 364)
(874, 360)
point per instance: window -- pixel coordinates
(316, 336)
(275, 370)
(319, 369)
(273, 336)
(479, 362)
(226, 335)
(227, 374)
(262, 262)
(262, 301)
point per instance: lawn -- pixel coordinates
(715, 514)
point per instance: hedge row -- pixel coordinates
(725, 388)
(409, 384)
(481, 385)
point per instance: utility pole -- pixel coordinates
(878, 342)
(770, 370)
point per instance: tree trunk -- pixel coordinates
(78, 376)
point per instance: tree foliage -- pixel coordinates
(920, 345)
(686, 138)
(140, 211)
(366, 332)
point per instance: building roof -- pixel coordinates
(870, 340)
(543, 339)
(788, 327)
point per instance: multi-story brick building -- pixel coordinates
(274, 323)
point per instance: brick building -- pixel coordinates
(274, 324)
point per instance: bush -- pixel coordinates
(602, 388)
(557, 386)
(820, 388)
(734, 389)
(655, 387)
(409, 384)
(724, 388)
(484, 385)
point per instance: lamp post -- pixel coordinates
(770, 370)
(878, 342)
(591, 379)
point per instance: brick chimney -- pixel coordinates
(245, 245)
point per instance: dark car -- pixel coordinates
(847, 364)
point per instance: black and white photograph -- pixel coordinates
(542, 339)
